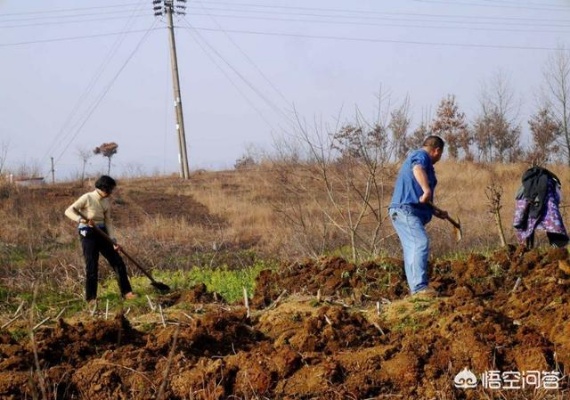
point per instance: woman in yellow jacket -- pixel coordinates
(96, 206)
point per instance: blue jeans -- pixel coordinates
(415, 244)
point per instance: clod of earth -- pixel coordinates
(362, 338)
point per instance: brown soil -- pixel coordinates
(322, 329)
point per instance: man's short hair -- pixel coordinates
(434, 142)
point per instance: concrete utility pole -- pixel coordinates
(52, 171)
(168, 8)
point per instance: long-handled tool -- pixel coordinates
(157, 285)
(456, 224)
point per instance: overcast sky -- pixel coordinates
(79, 73)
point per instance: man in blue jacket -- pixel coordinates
(411, 209)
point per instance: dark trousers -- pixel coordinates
(555, 240)
(93, 244)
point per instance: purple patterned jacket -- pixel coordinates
(550, 220)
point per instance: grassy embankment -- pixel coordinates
(222, 228)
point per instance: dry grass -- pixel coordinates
(241, 216)
(249, 201)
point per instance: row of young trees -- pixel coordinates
(494, 135)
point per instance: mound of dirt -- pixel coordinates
(322, 329)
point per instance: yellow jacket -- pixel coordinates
(94, 207)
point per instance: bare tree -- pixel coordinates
(557, 93)
(399, 125)
(450, 124)
(416, 139)
(297, 200)
(507, 139)
(483, 137)
(28, 170)
(107, 150)
(494, 193)
(85, 155)
(342, 174)
(496, 132)
(4, 146)
(356, 141)
(251, 158)
(545, 129)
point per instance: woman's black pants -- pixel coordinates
(93, 244)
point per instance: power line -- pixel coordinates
(89, 88)
(334, 13)
(346, 13)
(507, 6)
(105, 62)
(78, 21)
(66, 10)
(268, 101)
(263, 75)
(393, 16)
(102, 95)
(459, 25)
(71, 38)
(374, 40)
(516, 5)
(204, 46)
(64, 17)
(297, 35)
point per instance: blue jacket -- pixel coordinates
(407, 190)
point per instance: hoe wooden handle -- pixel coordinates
(456, 224)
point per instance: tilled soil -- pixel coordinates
(323, 329)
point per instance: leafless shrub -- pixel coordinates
(557, 95)
(494, 192)
(245, 162)
(28, 170)
(343, 177)
(84, 155)
(4, 147)
(399, 126)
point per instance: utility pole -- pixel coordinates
(168, 8)
(52, 171)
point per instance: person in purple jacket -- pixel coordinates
(411, 209)
(537, 207)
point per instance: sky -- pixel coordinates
(75, 74)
